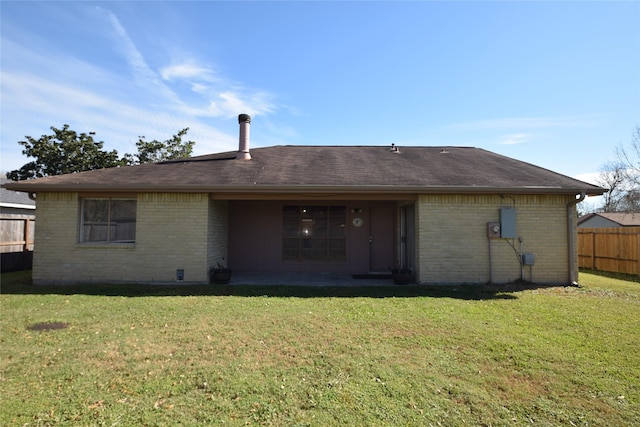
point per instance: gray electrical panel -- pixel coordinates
(528, 259)
(508, 223)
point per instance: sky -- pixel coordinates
(556, 84)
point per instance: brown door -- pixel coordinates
(381, 239)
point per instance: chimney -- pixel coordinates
(243, 151)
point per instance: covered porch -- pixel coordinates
(321, 239)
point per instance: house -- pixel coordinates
(450, 214)
(609, 219)
(15, 204)
(17, 219)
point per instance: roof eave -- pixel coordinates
(17, 205)
(360, 189)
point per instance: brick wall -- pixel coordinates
(56, 234)
(453, 246)
(190, 232)
(171, 234)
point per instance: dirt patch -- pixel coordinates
(47, 326)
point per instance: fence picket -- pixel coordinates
(610, 249)
(16, 243)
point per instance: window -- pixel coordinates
(313, 233)
(108, 221)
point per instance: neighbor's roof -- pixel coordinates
(362, 169)
(624, 219)
(14, 199)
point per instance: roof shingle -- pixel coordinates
(350, 168)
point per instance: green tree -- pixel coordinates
(158, 151)
(65, 151)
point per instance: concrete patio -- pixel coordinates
(309, 279)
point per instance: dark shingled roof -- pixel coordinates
(374, 169)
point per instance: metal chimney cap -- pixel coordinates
(244, 118)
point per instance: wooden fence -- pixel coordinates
(610, 249)
(16, 243)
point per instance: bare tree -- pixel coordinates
(630, 157)
(622, 177)
(613, 176)
(631, 201)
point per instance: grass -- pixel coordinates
(296, 356)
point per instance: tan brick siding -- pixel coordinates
(190, 232)
(453, 246)
(171, 234)
(56, 234)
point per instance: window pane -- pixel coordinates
(313, 233)
(291, 249)
(291, 221)
(314, 249)
(95, 221)
(123, 221)
(105, 220)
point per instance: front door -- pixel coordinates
(381, 237)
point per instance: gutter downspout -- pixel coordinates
(32, 196)
(573, 274)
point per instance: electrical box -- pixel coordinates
(508, 223)
(493, 230)
(528, 259)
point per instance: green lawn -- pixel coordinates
(384, 356)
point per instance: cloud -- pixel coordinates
(187, 70)
(256, 103)
(513, 139)
(199, 88)
(590, 177)
(229, 103)
(143, 74)
(46, 86)
(28, 93)
(86, 109)
(218, 97)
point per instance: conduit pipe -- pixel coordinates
(490, 263)
(573, 274)
(521, 261)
